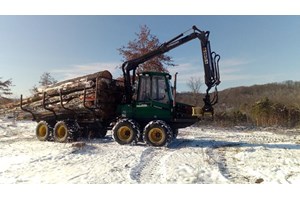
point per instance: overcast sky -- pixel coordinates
(253, 49)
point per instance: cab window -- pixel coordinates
(159, 89)
(153, 88)
(144, 88)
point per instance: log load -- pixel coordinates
(96, 95)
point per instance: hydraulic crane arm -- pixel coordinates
(210, 61)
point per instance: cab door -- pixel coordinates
(153, 101)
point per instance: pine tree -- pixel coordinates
(5, 87)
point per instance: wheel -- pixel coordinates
(61, 132)
(126, 131)
(157, 133)
(43, 131)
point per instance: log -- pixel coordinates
(103, 94)
(103, 74)
(72, 85)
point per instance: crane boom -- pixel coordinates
(210, 62)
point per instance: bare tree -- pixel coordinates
(45, 79)
(145, 43)
(34, 89)
(5, 87)
(194, 84)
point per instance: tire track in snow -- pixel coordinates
(217, 153)
(150, 168)
(146, 157)
(219, 160)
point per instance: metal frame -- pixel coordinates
(46, 108)
(26, 110)
(63, 106)
(88, 108)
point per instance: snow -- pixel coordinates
(199, 155)
(204, 155)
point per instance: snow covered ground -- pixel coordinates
(199, 155)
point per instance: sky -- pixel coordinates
(254, 49)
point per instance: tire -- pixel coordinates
(157, 133)
(61, 132)
(43, 131)
(126, 131)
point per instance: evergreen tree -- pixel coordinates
(5, 87)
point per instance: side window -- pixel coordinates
(144, 90)
(159, 89)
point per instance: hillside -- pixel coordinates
(287, 93)
(277, 103)
(4, 100)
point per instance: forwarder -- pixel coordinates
(140, 108)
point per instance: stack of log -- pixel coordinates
(101, 93)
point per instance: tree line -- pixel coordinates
(273, 104)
